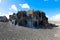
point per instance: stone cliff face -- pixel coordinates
(32, 18)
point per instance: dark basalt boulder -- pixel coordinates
(3, 19)
(36, 17)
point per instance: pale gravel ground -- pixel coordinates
(12, 32)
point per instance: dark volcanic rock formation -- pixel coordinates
(3, 19)
(32, 18)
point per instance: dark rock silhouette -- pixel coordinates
(3, 19)
(31, 18)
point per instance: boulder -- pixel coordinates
(36, 17)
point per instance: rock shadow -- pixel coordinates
(52, 25)
(49, 26)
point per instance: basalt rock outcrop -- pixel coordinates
(31, 18)
(3, 19)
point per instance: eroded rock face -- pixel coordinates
(39, 18)
(22, 18)
(35, 17)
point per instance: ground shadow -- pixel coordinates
(49, 26)
(52, 25)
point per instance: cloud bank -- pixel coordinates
(56, 17)
(6, 14)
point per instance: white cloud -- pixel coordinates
(56, 17)
(2, 14)
(46, 15)
(9, 13)
(0, 1)
(6, 14)
(25, 5)
(13, 7)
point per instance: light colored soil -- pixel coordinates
(55, 22)
(9, 31)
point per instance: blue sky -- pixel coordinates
(50, 7)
